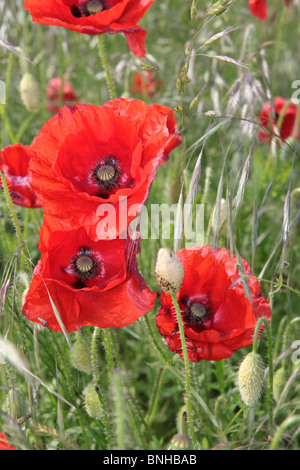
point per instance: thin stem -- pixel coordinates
(187, 371)
(155, 395)
(106, 67)
(16, 222)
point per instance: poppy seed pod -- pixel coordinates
(30, 92)
(251, 378)
(92, 403)
(81, 357)
(169, 271)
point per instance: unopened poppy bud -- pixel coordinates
(169, 271)
(251, 378)
(279, 382)
(30, 93)
(92, 403)
(180, 442)
(81, 356)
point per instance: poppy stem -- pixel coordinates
(106, 67)
(187, 372)
(97, 383)
(269, 393)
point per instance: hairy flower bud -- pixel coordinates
(251, 378)
(30, 93)
(92, 403)
(279, 381)
(169, 271)
(81, 356)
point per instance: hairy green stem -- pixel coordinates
(106, 67)
(187, 372)
(97, 383)
(269, 394)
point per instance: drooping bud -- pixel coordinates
(169, 271)
(81, 356)
(279, 381)
(30, 93)
(251, 378)
(180, 442)
(92, 403)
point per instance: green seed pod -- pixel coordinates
(251, 378)
(16, 404)
(30, 93)
(81, 357)
(279, 381)
(180, 442)
(92, 403)
(169, 271)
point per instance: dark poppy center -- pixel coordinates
(106, 174)
(198, 312)
(92, 7)
(84, 264)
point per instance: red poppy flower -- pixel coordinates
(259, 8)
(91, 163)
(95, 17)
(269, 117)
(4, 444)
(218, 317)
(175, 138)
(60, 92)
(146, 84)
(91, 283)
(14, 161)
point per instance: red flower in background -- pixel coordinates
(175, 138)
(95, 17)
(87, 158)
(60, 92)
(4, 444)
(14, 161)
(218, 317)
(91, 283)
(259, 8)
(269, 117)
(146, 84)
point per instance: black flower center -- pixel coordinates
(198, 312)
(92, 7)
(106, 174)
(84, 264)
